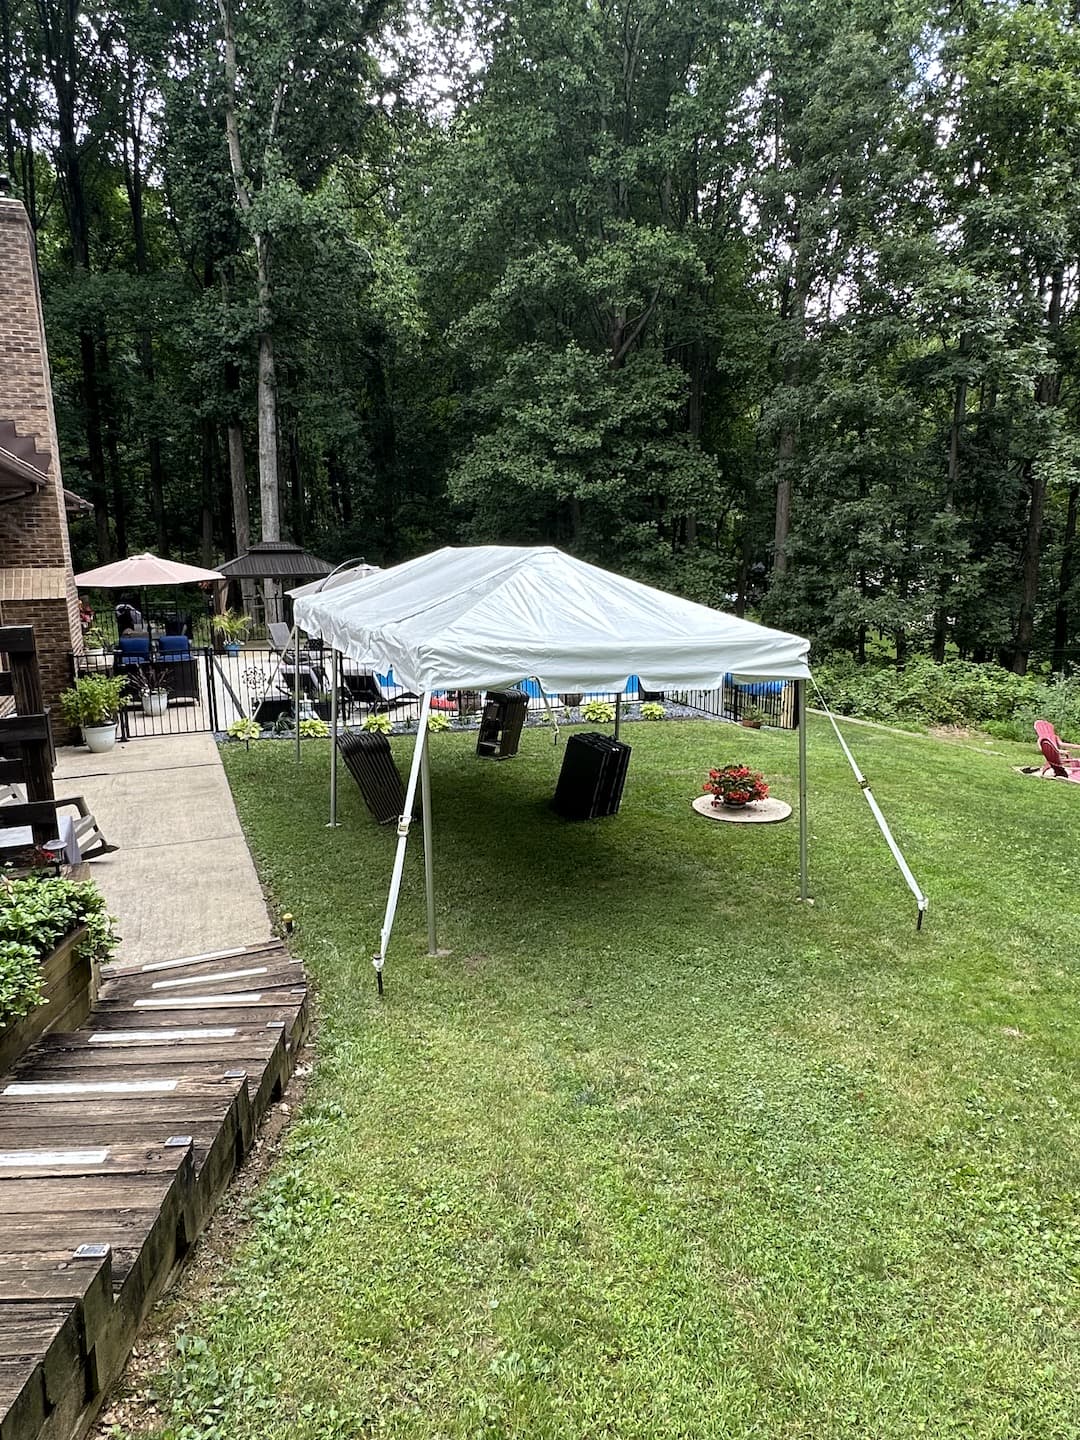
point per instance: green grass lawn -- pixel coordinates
(655, 1151)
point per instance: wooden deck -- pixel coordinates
(116, 1142)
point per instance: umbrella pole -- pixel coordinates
(429, 856)
(800, 703)
(334, 685)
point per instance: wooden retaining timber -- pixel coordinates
(116, 1142)
(69, 985)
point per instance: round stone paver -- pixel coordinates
(758, 812)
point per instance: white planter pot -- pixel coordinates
(155, 703)
(100, 738)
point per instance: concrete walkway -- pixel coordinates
(182, 881)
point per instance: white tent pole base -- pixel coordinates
(429, 856)
(800, 705)
(332, 823)
(294, 646)
(403, 839)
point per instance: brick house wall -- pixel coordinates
(36, 582)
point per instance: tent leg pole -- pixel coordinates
(335, 663)
(429, 857)
(800, 704)
(403, 839)
(294, 645)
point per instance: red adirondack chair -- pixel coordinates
(1057, 763)
(1044, 730)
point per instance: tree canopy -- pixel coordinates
(772, 305)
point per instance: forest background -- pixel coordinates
(775, 304)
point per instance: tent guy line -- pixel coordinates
(875, 810)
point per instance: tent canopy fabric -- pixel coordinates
(480, 617)
(140, 572)
(360, 571)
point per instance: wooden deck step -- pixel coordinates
(122, 1135)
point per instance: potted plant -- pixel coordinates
(230, 630)
(153, 692)
(752, 717)
(736, 785)
(94, 644)
(93, 705)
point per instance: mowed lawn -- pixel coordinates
(655, 1151)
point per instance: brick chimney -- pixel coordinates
(36, 582)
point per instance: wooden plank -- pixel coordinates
(22, 1399)
(17, 640)
(24, 730)
(239, 952)
(49, 1336)
(7, 684)
(11, 771)
(22, 1156)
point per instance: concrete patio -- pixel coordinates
(181, 881)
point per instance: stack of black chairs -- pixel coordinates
(500, 724)
(371, 764)
(592, 777)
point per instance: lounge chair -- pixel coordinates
(92, 842)
(1058, 763)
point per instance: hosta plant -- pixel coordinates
(379, 722)
(598, 712)
(245, 729)
(652, 710)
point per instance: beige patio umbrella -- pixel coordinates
(144, 572)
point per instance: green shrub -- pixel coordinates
(437, 721)
(598, 712)
(653, 710)
(20, 980)
(93, 700)
(35, 915)
(314, 729)
(958, 692)
(378, 722)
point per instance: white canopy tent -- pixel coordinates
(485, 617)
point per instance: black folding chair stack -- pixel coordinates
(592, 777)
(369, 761)
(500, 724)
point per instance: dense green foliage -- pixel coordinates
(35, 915)
(776, 306)
(956, 693)
(655, 1150)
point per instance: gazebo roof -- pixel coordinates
(275, 560)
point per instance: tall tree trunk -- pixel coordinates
(133, 180)
(62, 67)
(1060, 656)
(1046, 394)
(789, 427)
(944, 584)
(95, 447)
(206, 518)
(112, 445)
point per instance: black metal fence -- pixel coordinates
(197, 688)
(772, 702)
